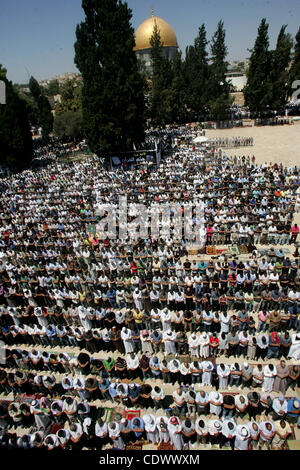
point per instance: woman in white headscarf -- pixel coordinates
(204, 345)
(151, 428)
(174, 428)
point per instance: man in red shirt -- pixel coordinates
(294, 231)
(213, 344)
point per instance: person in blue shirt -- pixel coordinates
(104, 385)
(156, 338)
(111, 295)
(202, 265)
(137, 427)
(154, 364)
(134, 393)
(51, 333)
(293, 410)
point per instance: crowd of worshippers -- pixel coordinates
(62, 286)
(69, 423)
(28, 373)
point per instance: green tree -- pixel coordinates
(280, 63)
(161, 78)
(71, 97)
(294, 73)
(176, 95)
(197, 73)
(52, 89)
(45, 116)
(112, 94)
(15, 134)
(258, 90)
(219, 98)
(68, 125)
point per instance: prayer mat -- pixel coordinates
(165, 446)
(105, 414)
(135, 446)
(117, 414)
(130, 414)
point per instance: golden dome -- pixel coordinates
(145, 30)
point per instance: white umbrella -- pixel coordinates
(200, 139)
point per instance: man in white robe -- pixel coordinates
(174, 428)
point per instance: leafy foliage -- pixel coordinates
(112, 94)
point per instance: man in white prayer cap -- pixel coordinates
(151, 428)
(215, 403)
(169, 341)
(242, 437)
(193, 343)
(204, 345)
(214, 427)
(126, 337)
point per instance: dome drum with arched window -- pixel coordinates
(143, 35)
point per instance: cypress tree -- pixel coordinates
(15, 134)
(280, 64)
(197, 73)
(112, 95)
(219, 89)
(161, 78)
(177, 91)
(45, 116)
(258, 90)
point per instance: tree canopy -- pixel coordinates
(113, 104)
